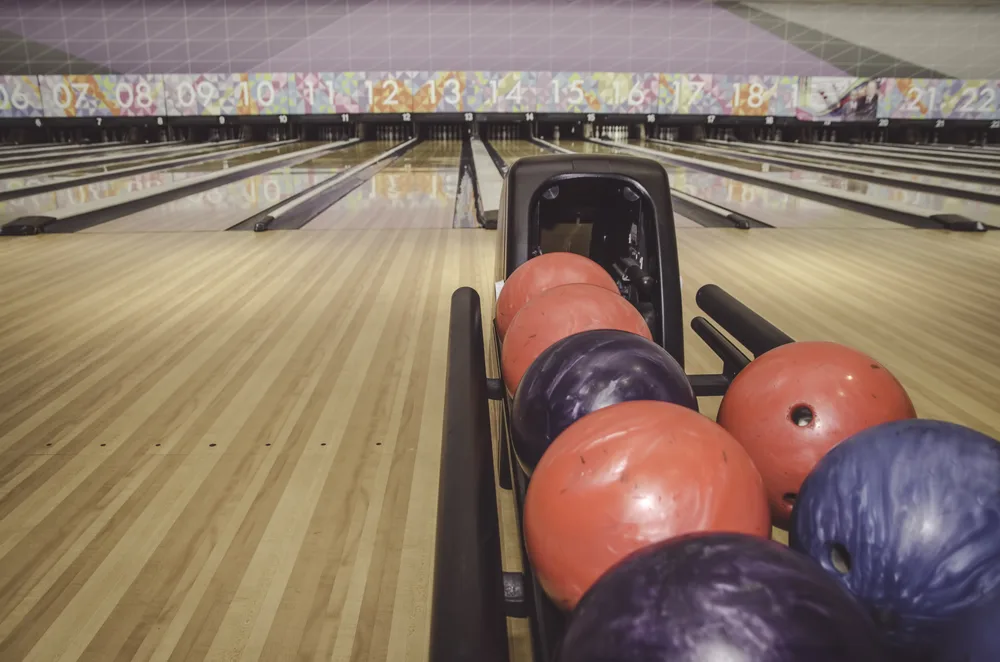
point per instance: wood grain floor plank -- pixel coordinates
(225, 445)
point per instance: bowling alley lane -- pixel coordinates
(45, 203)
(978, 211)
(808, 157)
(836, 156)
(512, 151)
(23, 161)
(416, 192)
(7, 151)
(921, 156)
(227, 205)
(207, 151)
(760, 203)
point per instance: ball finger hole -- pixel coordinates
(840, 558)
(802, 415)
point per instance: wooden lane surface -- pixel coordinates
(417, 191)
(225, 445)
(244, 439)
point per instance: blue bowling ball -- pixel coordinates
(907, 516)
(723, 597)
(586, 372)
(976, 635)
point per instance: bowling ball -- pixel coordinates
(975, 636)
(907, 516)
(558, 313)
(629, 475)
(726, 597)
(791, 405)
(586, 372)
(542, 273)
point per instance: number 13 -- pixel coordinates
(451, 99)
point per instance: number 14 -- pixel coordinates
(513, 95)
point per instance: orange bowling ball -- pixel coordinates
(629, 475)
(558, 313)
(791, 405)
(542, 273)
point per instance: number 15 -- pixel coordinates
(575, 92)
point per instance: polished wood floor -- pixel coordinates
(225, 445)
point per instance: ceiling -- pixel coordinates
(895, 3)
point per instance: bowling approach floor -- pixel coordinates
(225, 444)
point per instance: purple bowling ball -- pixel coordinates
(906, 515)
(975, 636)
(705, 597)
(586, 372)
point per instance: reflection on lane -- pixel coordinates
(767, 205)
(711, 156)
(979, 211)
(32, 165)
(16, 183)
(418, 191)
(514, 150)
(26, 158)
(223, 164)
(225, 206)
(903, 155)
(45, 203)
(809, 157)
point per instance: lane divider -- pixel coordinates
(914, 153)
(807, 163)
(964, 174)
(204, 156)
(899, 212)
(130, 155)
(83, 216)
(279, 215)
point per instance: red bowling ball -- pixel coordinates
(542, 273)
(630, 475)
(559, 313)
(790, 406)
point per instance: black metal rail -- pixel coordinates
(468, 621)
